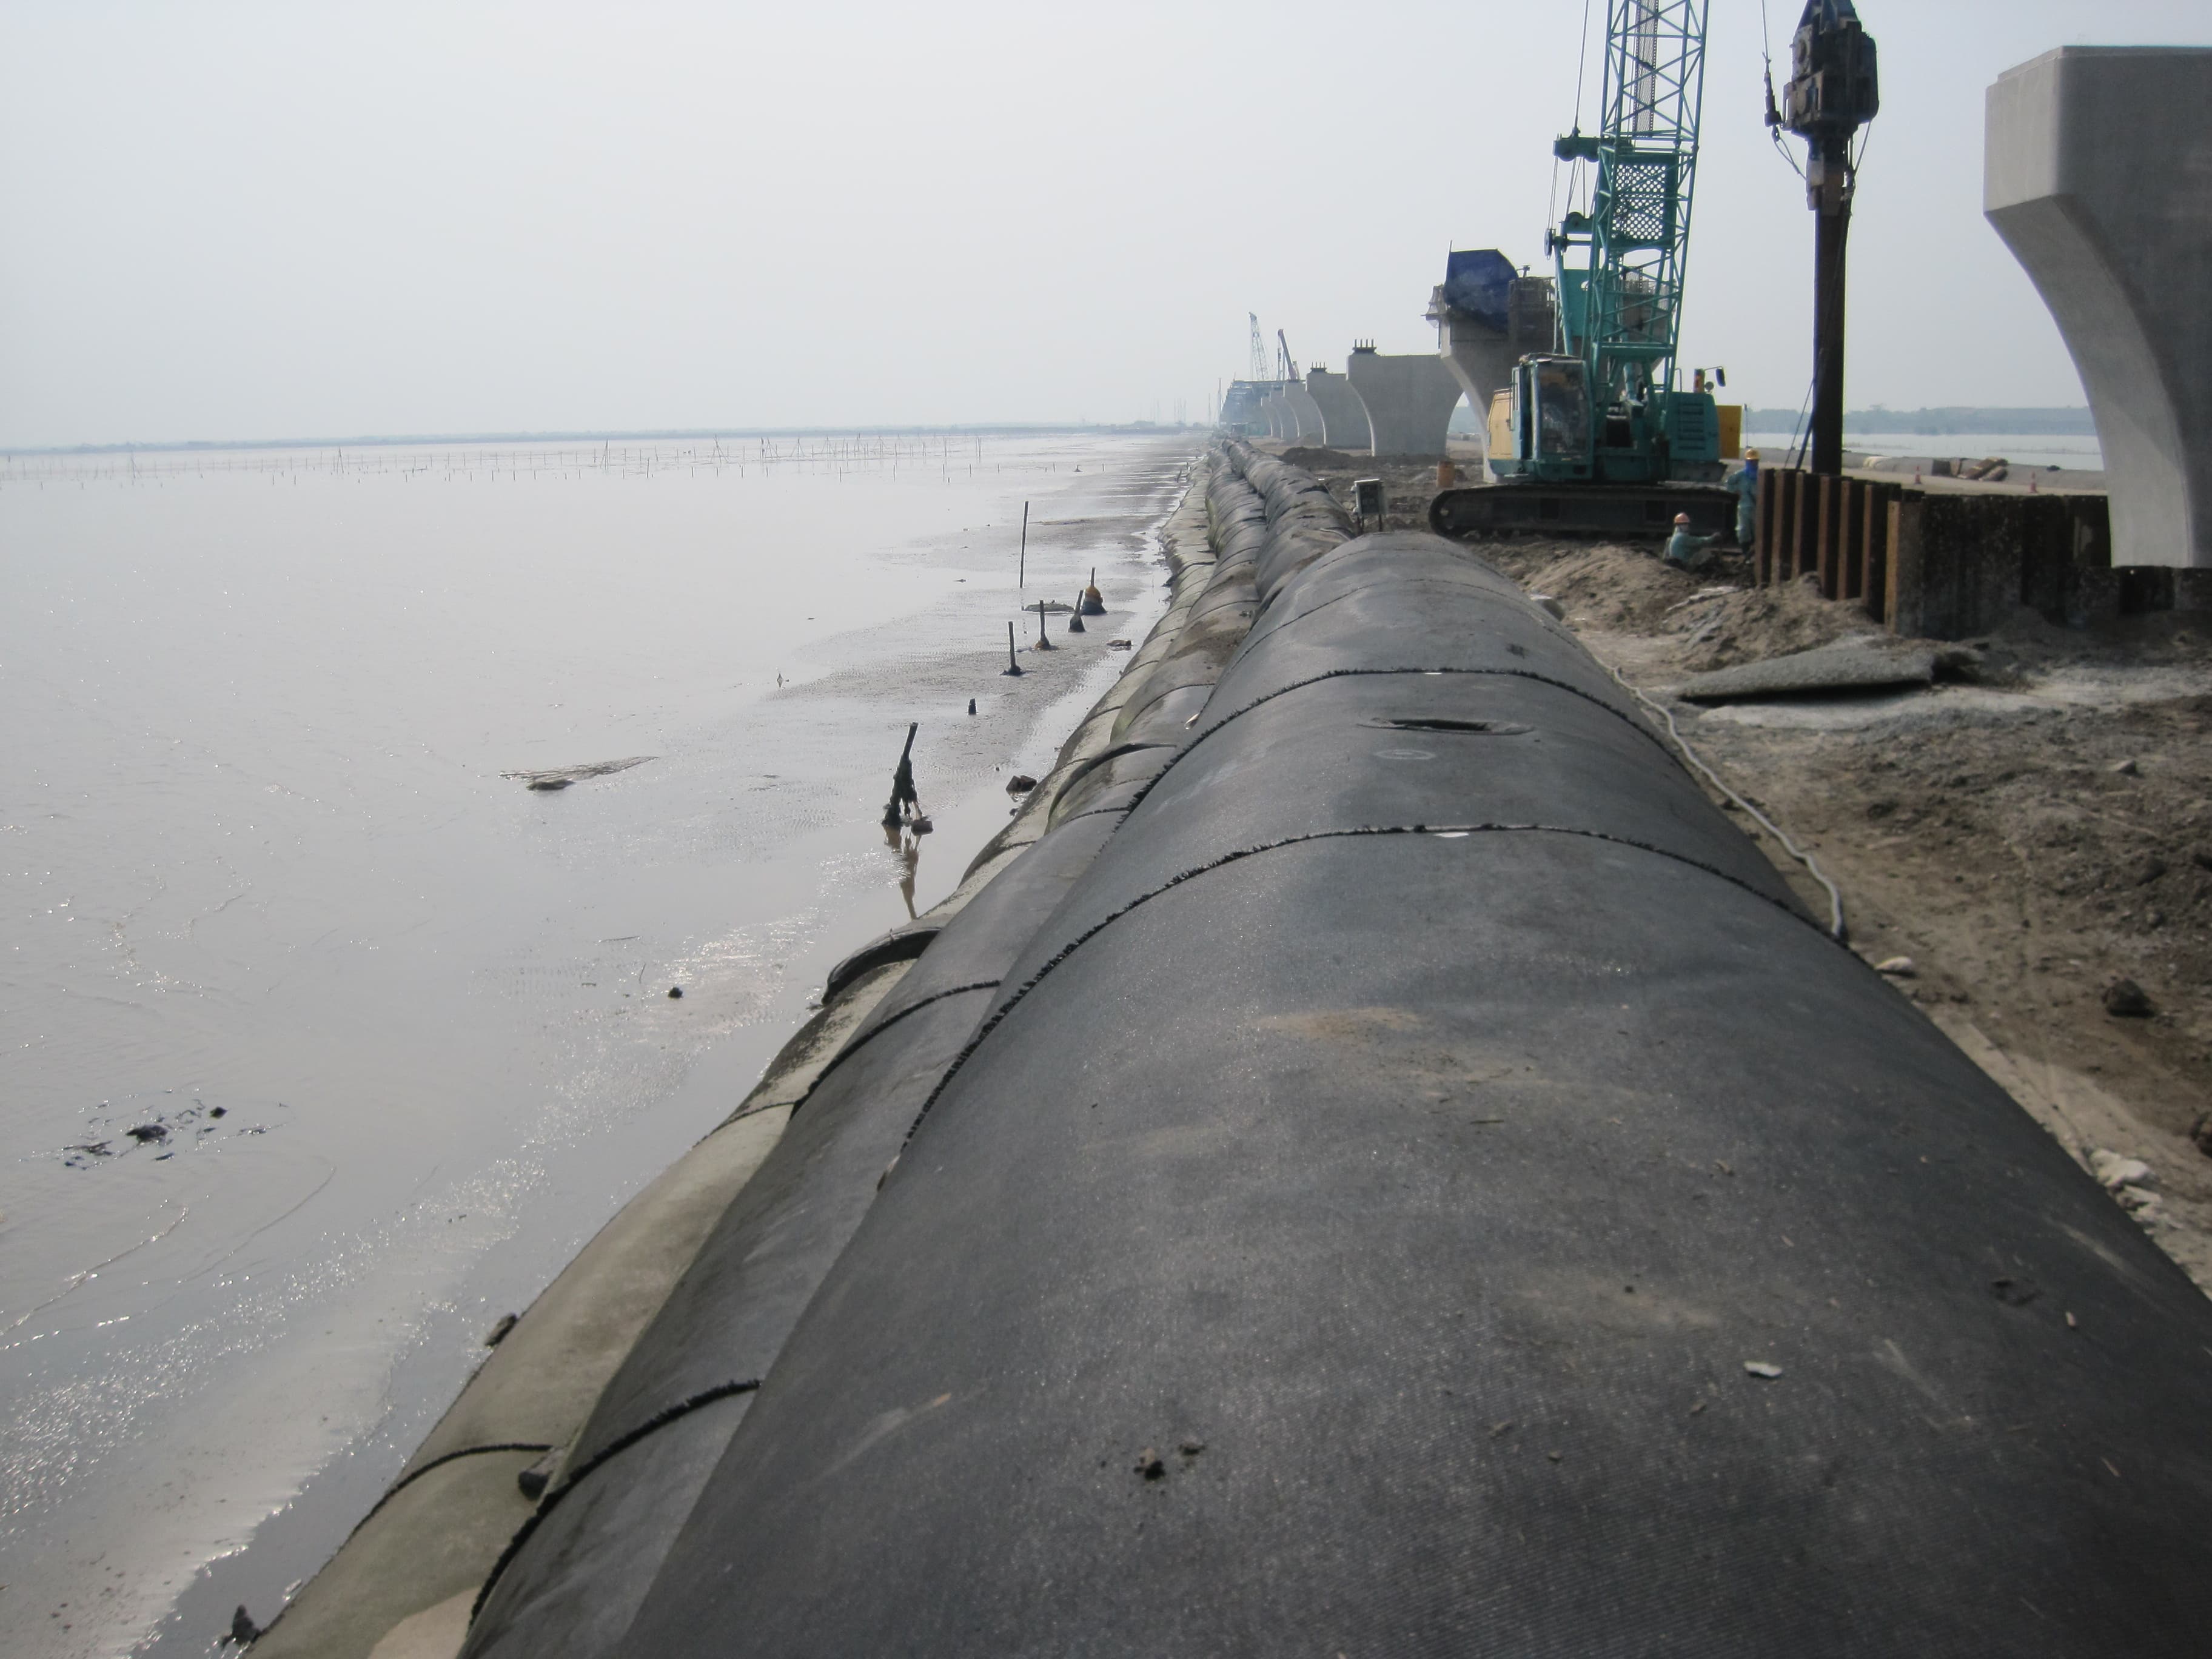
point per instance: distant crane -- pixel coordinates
(1286, 368)
(1258, 370)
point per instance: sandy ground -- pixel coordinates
(2031, 831)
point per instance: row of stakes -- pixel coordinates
(1088, 601)
(903, 808)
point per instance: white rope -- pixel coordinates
(1835, 899)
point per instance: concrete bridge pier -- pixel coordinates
(1480, 360)
(1409, 400)
(1312, 427)
(2094, 175)
(1488, 316)
(1343, 418)
(1241, 406)
(1282, 421)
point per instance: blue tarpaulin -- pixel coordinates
(1476, 281)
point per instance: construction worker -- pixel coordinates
(1686, 551)
(1745, 483)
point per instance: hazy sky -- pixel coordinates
(301, 219)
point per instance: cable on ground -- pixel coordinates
(1835, 928)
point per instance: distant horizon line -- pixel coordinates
(1932, 419)
(372, 441)
(2046, 420)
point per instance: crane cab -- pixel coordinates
(1554, 433)
(1550, 421)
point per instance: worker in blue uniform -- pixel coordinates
(1745, 483)
(1686, 551)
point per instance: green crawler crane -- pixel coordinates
(1600, 439)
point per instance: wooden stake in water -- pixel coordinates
(1013, 666)
(903, 801)
(1021, 571)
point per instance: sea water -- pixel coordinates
(2072, 451)
(393, 1028)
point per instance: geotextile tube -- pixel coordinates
(1426, 1187)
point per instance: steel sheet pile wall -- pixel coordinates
(1343, 1226)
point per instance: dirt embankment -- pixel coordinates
(2034, 832)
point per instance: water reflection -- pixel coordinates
(904, 838)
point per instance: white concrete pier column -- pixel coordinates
(1311, 424)
(1409, 400)
(1343, 418)
(1480, 350)
(1480, 358)
(2095, 173)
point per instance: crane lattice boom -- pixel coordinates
(1622, 308)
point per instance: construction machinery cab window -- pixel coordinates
(1560, 389)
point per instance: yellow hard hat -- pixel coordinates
(1681, 518)
(1751, 454)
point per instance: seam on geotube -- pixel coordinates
(1628, 719)
(1548, 625)
(854, 1044)
(661, 1419)
(1022, 991)
(444, 1458)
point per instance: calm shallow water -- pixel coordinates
(2022, 449)
(403, 1021)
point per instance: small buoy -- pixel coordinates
(675, 991)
